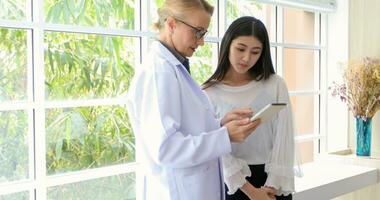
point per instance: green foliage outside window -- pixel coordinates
(159, 3)
(15, 196)
(104, 13)
(13, 54)
(13, 124)
(88, 137)
(83, 66)
(239, 8)
(77, 66)
(87, 66)
(201, 63)
(13, 146)
(12, 9)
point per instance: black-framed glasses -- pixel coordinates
(199, 32)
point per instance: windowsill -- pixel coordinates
(331, 176)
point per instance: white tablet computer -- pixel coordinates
(268, 111)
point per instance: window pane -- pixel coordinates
(87, 137)
(303, 113)
(115, 187)
(204, 62)
(13, 64)
(299, 26)
(80, 66)
(13, 9)
(264, 12)
(154, 5)
(15, 196)
(213, 28)
(13, 145)
(107, 13)
(306, 149)
(299, 69)
(153, 16)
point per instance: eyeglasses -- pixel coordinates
(199, 32)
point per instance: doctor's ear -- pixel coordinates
(171, 23)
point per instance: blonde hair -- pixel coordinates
(178, 8)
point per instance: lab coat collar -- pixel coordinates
(163, 52)
(182, 59)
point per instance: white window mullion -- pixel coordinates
(323, 81)
(212, 39)
(40, 149)
(94, 30)
(303, 93)
(90, 174)
(222, 20)
(143, 49)
(280, 24)
(143, 52)
(317, 69)
(31, 147)
(316, 98)
(316, 120)
(279, 39)
(280, 61)
(140, 24)
(15, 105)
(29, 10)
(85, 102)
(39, 98)
(145, 8)
(317, 64)
(273, 18)
(138, 13)
(16, 24)
(138, 53)
(297, 46)
(29, 105)
(308, 137)
(312, 6)
(75, 28)
(17, 186)
(215, 56)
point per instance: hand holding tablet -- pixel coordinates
(268, 111)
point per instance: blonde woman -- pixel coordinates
(172, 117)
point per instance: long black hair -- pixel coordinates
(244, 26)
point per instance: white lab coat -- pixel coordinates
(181, 139)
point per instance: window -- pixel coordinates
(64, 124)
(301, 58)
(66, 67)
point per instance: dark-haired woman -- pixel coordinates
(245, 77)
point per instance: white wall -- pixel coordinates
(364, 40)
(337, 48)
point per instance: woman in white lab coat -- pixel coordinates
(245, 76)
(180, 138)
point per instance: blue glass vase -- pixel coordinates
(363, 136)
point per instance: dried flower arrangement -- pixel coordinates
(361, 87)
